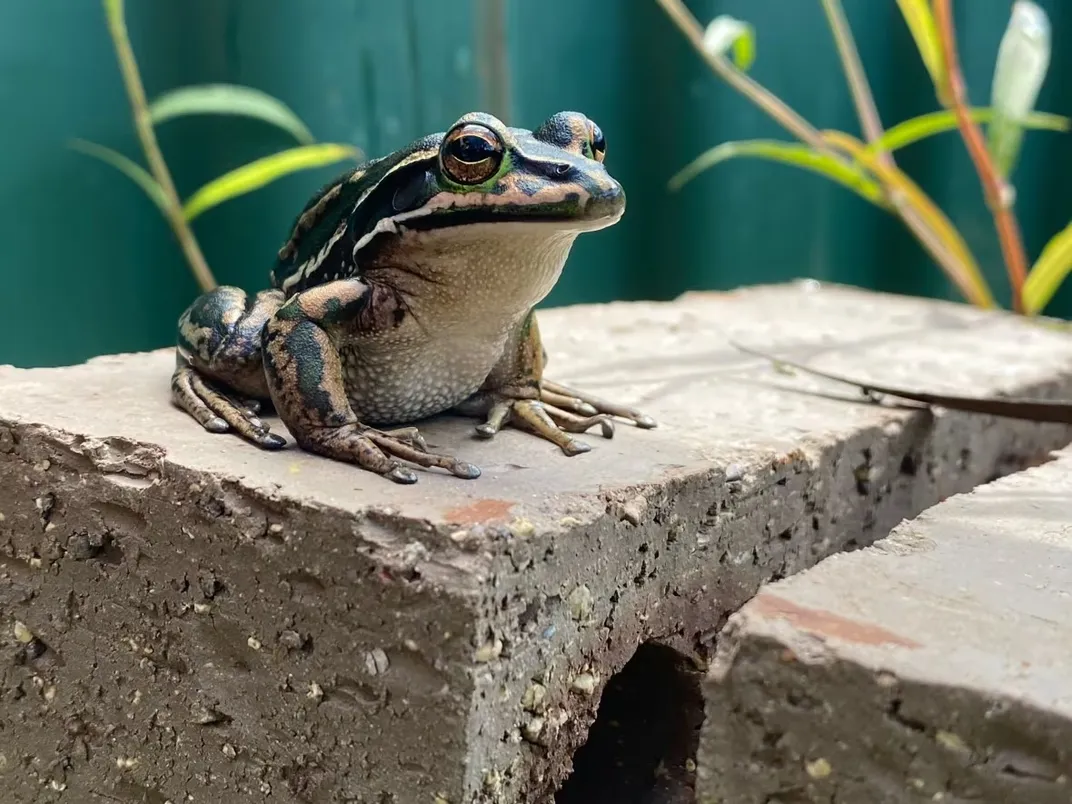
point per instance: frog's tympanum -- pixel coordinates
(407, 289)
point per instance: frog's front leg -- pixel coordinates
(517, 393)
(219, 373)
(307, 386)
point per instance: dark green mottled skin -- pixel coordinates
(407, 288)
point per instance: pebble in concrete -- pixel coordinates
(934, 666)
(185, 617)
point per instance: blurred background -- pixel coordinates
(91, 266)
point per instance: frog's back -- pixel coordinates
(321, 241)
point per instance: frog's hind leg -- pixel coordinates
(219, 369)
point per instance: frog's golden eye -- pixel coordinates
(597, 141)
(471, 154)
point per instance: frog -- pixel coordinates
(408, 288)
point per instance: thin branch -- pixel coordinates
(774, 106)
(1025, 408)
(143, 125)
(804, 131)
(932, 243)
(493, 60)
(871, 124)
(862, 96)
(997, 192)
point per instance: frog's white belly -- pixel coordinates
(396, 386)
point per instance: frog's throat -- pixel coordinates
(490, 272)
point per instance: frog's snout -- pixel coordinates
(606, 199)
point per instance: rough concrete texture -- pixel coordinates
(185, 617)
(935, 665)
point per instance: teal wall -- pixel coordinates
(90, 267)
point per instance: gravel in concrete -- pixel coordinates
(935, 665)
(183, 615)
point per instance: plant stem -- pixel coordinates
(774, 106)
(933, 244)
(854, 73)
(997, 192)
(143, 125)
(492, 58)
(805, 132)
(871, 124)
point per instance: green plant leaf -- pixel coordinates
(135, 172)
(1022, 62)
(229, 99)
(801, 156)
(260, 172)
(1049, 272)
(724, 33)
(919, 16)
(927, 125)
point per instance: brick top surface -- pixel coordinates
(716, 407)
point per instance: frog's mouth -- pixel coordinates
(576, 207)
(531, 216)
(554, 217)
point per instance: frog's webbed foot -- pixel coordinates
(218, 411)
(536, 416)
(218, 372)
(566, 398)
(380, 451)
(305, 379)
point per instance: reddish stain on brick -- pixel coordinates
(827, 624)
(480, 512)
(795, 457)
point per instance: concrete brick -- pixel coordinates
(935, 665)
(207, 620)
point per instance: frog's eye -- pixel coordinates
(471, 154)
(597, 141)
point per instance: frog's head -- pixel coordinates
(455, 203)
(488, 171)
(482, 171)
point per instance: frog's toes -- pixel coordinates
(569, 399)
(402, 475)
(251, 407)
(574, 447)
(572, 423)
(381, 451)
(404, 448)
(545, 420)
(216, 425)
(498, 413)
(218, 413)
(267, 440)
(411, 435)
